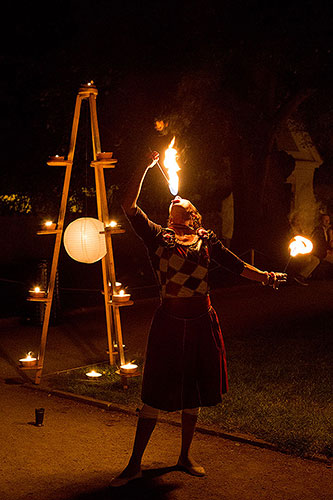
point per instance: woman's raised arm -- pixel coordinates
(134, 187)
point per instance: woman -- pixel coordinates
(185, 365)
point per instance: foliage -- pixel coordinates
(15, 203)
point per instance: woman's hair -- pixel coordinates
(195, 216)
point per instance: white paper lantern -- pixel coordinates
(83, 241)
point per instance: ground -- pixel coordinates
(80, 448)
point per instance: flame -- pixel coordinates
(93, 374)
(29, 357)
(300, 245)
(37, 289)
(129, 366)
(170, 163)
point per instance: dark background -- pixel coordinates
(223, 76)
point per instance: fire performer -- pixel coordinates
(185, 365)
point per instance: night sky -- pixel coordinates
(144, 49)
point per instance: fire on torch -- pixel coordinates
(299, 246)
(170, 168)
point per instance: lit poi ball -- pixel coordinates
(83, 240)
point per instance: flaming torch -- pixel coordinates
(170, 168)
(299, 245)
(170, 163)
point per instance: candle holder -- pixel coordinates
(37, 293)
(49, 225)
(104, 156)
(129, 369)
(57, 158)
(93, 375)
(29, 361)
(116, 348)
(121, 297)
(113, 228)
(117, 286)
(112, 224)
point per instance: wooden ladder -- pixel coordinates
(113, 324)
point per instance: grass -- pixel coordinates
(280, 388)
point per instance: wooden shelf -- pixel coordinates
(35, 299)
(129, 375)
(104, 163)
(49, 231)
(54, 163)
(35, 367)
(114, 230)
(121, 304)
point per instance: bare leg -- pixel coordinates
(189, 421)
(144, 431)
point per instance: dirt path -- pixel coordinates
(80, 448)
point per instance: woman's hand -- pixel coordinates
(153, 158)
(275, 279)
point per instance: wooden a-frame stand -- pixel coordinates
(113, 324)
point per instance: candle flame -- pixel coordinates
(113, 223)
(37, 289)
(300, 245)
(28, 357)
(48, 223)
(129, 366)
(170, 163)
(93, 373)
(121, 292)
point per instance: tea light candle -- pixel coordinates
(49, 225)
(28, 360)
(128, 369)
(118, 286)
(112, 223)
(104, 156)
(57, 158)
(37, 293)
(121, 296)
(115, 346)
(93, 374)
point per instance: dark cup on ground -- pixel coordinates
(39, 416)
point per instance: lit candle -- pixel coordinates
(129, 368)
(118, 286)
(115, 346)
(28, 360)
(49, 225)
(93, 374)
(37, 293)
(121, 296)
(113, 223)
(57, 158)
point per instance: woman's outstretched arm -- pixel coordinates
(134, 187)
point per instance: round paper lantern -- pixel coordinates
(83, 241)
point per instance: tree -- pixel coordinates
(233, 105)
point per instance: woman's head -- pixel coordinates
(181, 211)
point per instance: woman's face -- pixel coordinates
(179, 210)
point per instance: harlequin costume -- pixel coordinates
(185, 365)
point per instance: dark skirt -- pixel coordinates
(185, 364)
